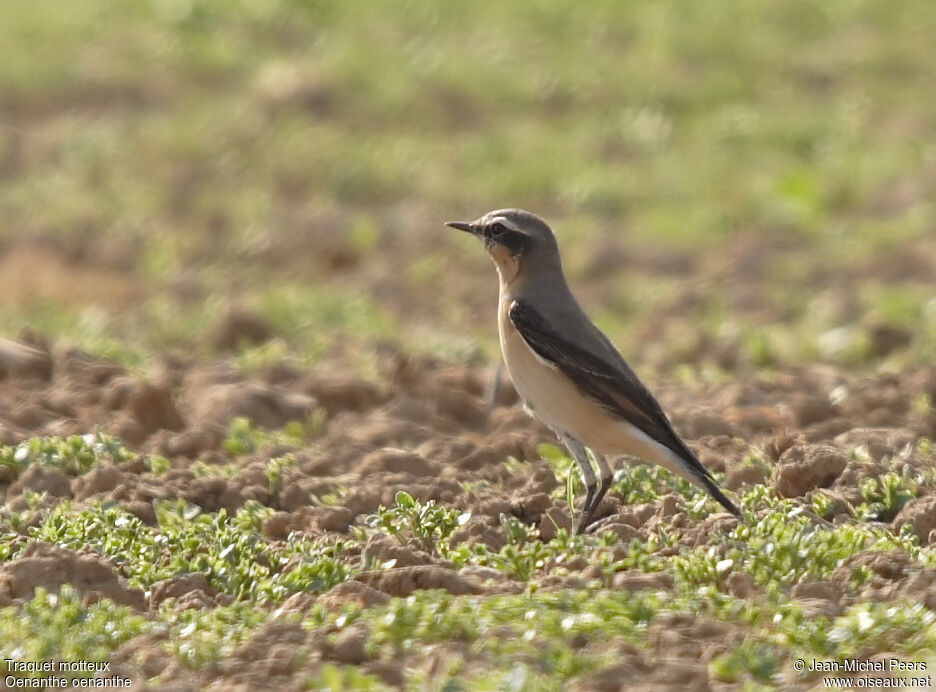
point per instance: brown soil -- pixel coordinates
(49, 566)
(425, 427)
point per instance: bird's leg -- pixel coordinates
(607, 477)
(577, 450)
(494, 387)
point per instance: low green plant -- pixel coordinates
(640, 483)
(200, 636)
(230, 550)
(870, 626)
(784, 545)
(885, 495)
(59, 625)
(823, 504)
(243, 437)
(202, 469)
(75, 454)
(158, 464)
(751, 658)
(343, 679)
(430, 522)
(276, 469)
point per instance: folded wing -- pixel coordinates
(610, 382)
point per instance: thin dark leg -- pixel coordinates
(607, 477)
(588, 509)
(577, 450)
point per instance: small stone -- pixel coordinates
(553, 520)
(349, 646)
(805, 467)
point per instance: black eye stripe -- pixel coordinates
(498, 229)
(514, 241)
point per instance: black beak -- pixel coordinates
(464, 226)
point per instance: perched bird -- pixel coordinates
(566, 371)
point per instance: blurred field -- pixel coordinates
(762, 171)
(745, 194)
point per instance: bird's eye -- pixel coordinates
(514, 241)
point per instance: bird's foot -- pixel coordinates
(599, 524)
(585, 524)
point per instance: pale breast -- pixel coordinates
(556, 401)
(553, 397)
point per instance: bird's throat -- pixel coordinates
(508, 268)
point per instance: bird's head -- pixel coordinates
(518, 241)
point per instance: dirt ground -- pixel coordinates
(424, 426)
(406, 421)
(221, 233)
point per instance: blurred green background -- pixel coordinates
(740, 184)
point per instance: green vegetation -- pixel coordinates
(561, 635)
(246, 438)
(60, 626)
(785, 547)
(74, 455)
(258, 152)
(739, 186)
(430, 523)
(229, 550)
(886, 495)
(198, 637)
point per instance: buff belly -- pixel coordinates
(555, 400)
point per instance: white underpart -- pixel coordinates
(676, 463)
(557, 401)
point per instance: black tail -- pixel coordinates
(709, 484)
(702, 475)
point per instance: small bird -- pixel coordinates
(566, 371)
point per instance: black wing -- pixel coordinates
(613, 385)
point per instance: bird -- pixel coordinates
(566, 371)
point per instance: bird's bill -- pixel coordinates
(465, 226)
